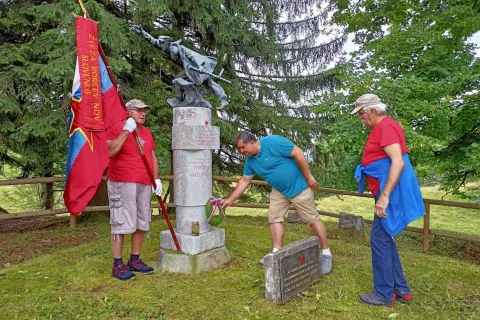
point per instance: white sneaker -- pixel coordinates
(326, 262)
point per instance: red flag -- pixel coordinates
(95, 106)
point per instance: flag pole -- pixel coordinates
(144, 158)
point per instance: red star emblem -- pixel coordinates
(75, 127)
(206, 123)
(302, 258)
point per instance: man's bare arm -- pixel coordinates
(299, 157)
(156, 171)
(116, 144)
(242, 185)
(394, 152)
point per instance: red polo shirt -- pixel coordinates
(127, 165)
(385, 133)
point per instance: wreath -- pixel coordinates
(211, 207)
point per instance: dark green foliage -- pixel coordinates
(414, 54)
(37, 59)
(425, 71)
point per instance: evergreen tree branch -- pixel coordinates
(310, 76)
(110, 6)
(288, 23)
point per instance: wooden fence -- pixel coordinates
(426, 231)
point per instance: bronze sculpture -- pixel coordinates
(198, 70)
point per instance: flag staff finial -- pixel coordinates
(80, 3)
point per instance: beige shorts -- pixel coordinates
(304, 203)
(129, 206)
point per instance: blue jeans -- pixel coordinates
(386, 265)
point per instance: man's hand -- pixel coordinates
(130, 125)
(312, 183)
(381, 206)
(227, 202)
(158, 190)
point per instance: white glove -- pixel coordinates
(129, 125)
(158, 191)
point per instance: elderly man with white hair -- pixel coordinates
(130, 188)
(398, 200)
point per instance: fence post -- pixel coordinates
(426, 228)
(73, 221)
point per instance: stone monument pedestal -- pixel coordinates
(184, 263)
(215, 238)
(193, 138)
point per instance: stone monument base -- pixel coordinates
(184, 263)
(215, 238)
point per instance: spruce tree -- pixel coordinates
(271, 51)
(37, 61)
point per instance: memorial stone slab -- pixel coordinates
(192, 245)
(190, 116)
(291, 270)
(294, 217)
(195, 137)
(192, 177)
(351, 221)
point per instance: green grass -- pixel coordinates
(7, 193)
(75, 282)
(18, 198)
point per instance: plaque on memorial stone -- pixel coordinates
(189, 116)
(351, 221)
(298, 271)
(294, 217)
(292, 269)
(195, 137)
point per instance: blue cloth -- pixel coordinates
(275, 166)
(406, 202)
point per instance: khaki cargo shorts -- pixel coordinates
(304, 203)
(129, 206)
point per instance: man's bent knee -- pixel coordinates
(272, 220)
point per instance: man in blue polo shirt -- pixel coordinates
(283, 165)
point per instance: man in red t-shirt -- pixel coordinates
(387, 140)
(130, 188)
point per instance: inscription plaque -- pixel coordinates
(196, 137)
(298, 271)
(292, 269)
(189, 116)
(193, 177)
